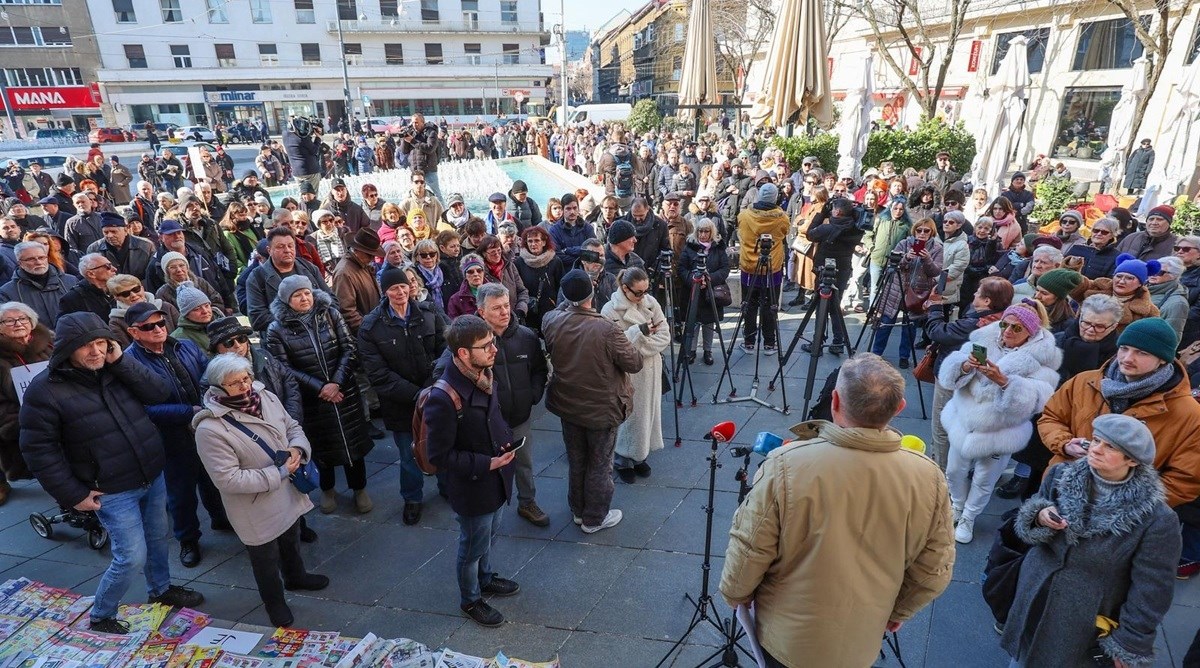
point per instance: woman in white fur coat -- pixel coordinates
(638, 314)
(989, 416)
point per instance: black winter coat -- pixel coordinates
(717, 264)
(316, 348)
(88, 430)
(835, 237)
(653, 236)
(1097, 263)
(138, 254)
(542, 284)
(520, 372)
(452, 278)
(1080, 355)
(84, 296)
(399, 357)
(275, 377)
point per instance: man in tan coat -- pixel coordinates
(845, 535)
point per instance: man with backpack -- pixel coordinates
(617, 166)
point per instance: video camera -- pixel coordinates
(765, 242)
(664, 260)
(894, 257)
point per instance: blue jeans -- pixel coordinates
(412, 481)
(475, 537)
(431, 183)
(1191, 543)
(137, 528)
(885, 332)
(185, 475)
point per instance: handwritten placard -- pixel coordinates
(23, 375)
(238, 642)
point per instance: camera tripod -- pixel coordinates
(691, 329)
(891, 276)
(825, 307)
(760, 280)
(662, 276)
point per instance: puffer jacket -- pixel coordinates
(14, 353)
(801, 542)
(173, 416)
(88, 430)
(952, 335)
(316, 348)
(956, 255)
(608, 360)
(520, 372)
(44, 300)
(983, 419)
(1169, 412)
(277, 381)
(262, 284)
(399, 355)
(527, 213)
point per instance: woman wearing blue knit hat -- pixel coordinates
(1128, 285)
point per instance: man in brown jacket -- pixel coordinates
(354, 278)
(845, 535)
(588, 351)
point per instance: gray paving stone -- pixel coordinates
(312, 612)
(433, 630)
(67, 576)
(26, 497)
(586, 649)
(524, 641)
(961, 631)
(231, 603)
(684, 529)
(644, 509)
(21, 541)
(564, 582)
(374, 564)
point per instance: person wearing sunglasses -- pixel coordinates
(1099, 252)
(91, 293)
(997, 393)
(421, 198)
(128, 290)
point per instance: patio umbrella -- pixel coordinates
(698, 80)
(1001, 119)
(1175, 155)
(797, 81)
(1123, 123)
(856, 122)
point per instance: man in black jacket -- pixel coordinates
(90, 294)
(303, 152)
(836, 233)
(262, 282)
(86, 408)
(653, 235)
(340, 204)
(130, 254)
(421, 143)
(399, 341)
(473, 445)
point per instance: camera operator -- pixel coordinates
(836, 233)
(420, 142)
(302, 142)
(764, 227)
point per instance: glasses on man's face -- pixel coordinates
(34, 259)
(1016, 328)
(1095, 326)
(235, 340)
(490, 343)
(427, 254)
(151, 326)
(22, 321)
(108, 266)
(125, 294)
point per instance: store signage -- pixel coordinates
(973, 60)
(914, 65)
(235, 97)
(513, 92)
(38, 98)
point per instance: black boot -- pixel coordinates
(1013, 488)
(801, 299)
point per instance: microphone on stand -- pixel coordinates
(723, 432)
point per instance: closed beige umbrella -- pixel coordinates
(797, 81)
(698, 80)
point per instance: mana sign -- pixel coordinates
(39, 98)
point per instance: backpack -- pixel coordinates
(420, 448)
(623, 182)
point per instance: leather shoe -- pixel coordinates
(307, 535)
(708, 358)
(483, 614)
(904, 362)
(626, 475)
(1013, 488)
(530, 512)
(412, 512)
(807, 347)
(309, 582)
(279, 614)
(189, 553)
(374, 432)
(642, 469)
(500, 586)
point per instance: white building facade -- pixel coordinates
(207, 61)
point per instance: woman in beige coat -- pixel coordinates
(264, 507)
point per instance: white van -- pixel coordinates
(599, 113)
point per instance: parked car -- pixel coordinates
(60, 135)
(107, 135)
(194, 133)
(163, 130)
(52, 164)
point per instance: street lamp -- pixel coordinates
(345, 70)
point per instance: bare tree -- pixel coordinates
(742, 29)
(837, 14)
(1156, 37)
(579, 80)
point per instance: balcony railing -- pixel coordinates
(460, 25)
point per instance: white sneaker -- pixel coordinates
(964, 532)
(957, 515)
(578, 520)
(611, 520)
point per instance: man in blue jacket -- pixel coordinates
(473, 447)
(570, 231)
(181, 365)
(87, 408)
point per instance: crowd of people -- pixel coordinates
(209, 344)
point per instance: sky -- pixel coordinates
(589, 14)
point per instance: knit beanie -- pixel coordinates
(392, 276)
(1164, 211)
(168, 258)
(768, 194)
(1128, 264)
(576, 286)
(1028, 241)
(1060, 282)
(1028, 317)
(1071, 214)
(1127, 434)
(1152, 335)
(189, 297)
(291, 284)
(621, 231)
(471, 260)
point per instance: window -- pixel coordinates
(470, 5)
(1194, 50)
(56, 36)
(429, 10)
(30, 2)
(678, 32)
(471, 20)
(512, 54)
(310, 53)
(472, 106)
(182, 55)
(171, 13)
(508, 11)
(473, 53)
(225, 55)
(676, 68)
(389, 8)
(393, 54)
(1035, 48)
(304, 11)
(347, 10)
(136, 55)
(260, 11)
(1108, 45)
(123, 9)
(216, 11)
(433, 54)
(1083, 124)
(268, 55)
(353, 54)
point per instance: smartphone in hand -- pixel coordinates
(515, 445)
(979, 353)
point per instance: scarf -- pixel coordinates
(497, 268)
(249, 403)
(537, 261)
(481, 379)
(1121, 393)
(433, 280)
(457, 221)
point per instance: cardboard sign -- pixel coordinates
(238, 642)
(23, 375)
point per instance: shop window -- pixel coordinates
(1108, 45)
(1084, 122)
(425, 107)
(393, 54)
(433, 54)
(448, 107)
(260, 11)
(268, 55)
(182, 55)
(512, 54)
(508, 11)
(171, 13)
(304, 11)
(1035, 48)
(136, 55)
(473, 52)
(123, 10)
(472, 106)
(141, 113)
(226, 57)
(429, 10)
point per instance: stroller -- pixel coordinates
(97, 535)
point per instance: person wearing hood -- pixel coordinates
(456, 215)
(1157, 240)
(989, 415)
(91, 293)
(310, 338)
(761, 290)
(1069, 224)
(1103, 545)
(1168, 294)
(23, 341)
(37, 283)
(1128, 285)
(524, 209)
(89, 406)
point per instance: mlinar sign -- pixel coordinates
(38, 98)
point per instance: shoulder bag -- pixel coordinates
(1003, 568)
(924, 370)
(305, 478)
